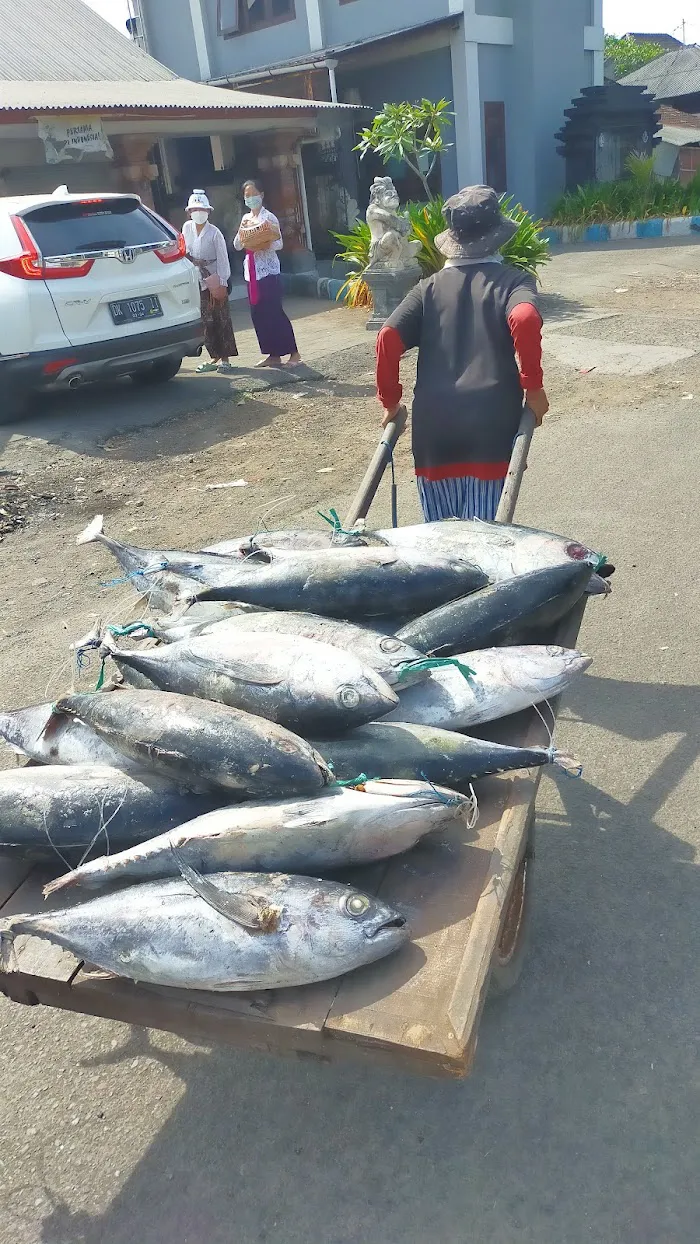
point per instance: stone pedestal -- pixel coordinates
(389, 287)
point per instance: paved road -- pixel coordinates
(579, 1124)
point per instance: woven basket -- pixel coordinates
(258, 237)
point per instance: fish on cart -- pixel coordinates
(500, 550)
(230, 931)
(341, 827)
(503, 681)
(202, 744)
(510, 611)
(350, 583)
(299, 683)
(405, 750)
(62, 810)
(49, 738)
(386, 654)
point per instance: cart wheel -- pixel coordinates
(511, 949)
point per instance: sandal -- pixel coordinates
(225, 369)
(205, 367)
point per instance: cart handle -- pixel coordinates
(373, 475)
(516, 467)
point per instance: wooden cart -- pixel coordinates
(467, 895)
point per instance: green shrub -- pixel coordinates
(641, 196)
(527, 249)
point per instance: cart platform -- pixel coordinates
(466, 897)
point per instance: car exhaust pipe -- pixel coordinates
(75, 381)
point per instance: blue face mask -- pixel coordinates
(253, 201)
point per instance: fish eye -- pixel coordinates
(349, 697)
(389, 644)
(356, 905)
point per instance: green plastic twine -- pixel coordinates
(435, 663)
(602, 559)
(358, 781)
(333, 520)
(100, 680)
(120, 631)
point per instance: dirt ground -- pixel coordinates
(579, 1123)
(149, 461)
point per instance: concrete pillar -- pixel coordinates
(279, 162)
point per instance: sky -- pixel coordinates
(619, 15)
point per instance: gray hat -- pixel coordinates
(477, 226)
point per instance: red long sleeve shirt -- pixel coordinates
(525, 323)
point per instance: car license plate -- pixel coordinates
(130, 309)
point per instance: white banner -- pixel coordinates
(72, 138)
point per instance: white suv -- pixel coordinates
(91, 286)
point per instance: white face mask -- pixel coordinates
(253, 201)
(200, 218)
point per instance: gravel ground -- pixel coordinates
(579, 1123)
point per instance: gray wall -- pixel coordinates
(260, 47)
(561, 69)
(426, 76)
(343, 23)
(170, 36)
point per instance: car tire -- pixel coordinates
(13, 406)
(158, 372)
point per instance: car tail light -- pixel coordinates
(57, 365)
(29, 267)
(168, 252)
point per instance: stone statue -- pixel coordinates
(390, 249)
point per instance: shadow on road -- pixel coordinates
(578, 1123)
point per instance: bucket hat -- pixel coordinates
(477, 226)
(198, 202)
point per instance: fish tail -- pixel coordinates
(563, 760)
(93, 531)
(60, 883)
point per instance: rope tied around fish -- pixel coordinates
(435, 663)
(334, 521)
(135, 574)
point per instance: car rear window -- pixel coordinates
(79, 228)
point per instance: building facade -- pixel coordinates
(510, 68)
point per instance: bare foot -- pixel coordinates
(272, 360)
(294, 360)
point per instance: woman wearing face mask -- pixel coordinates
(206, 248)
(261, 269)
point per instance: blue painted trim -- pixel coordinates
(650, 228)
(597, 233)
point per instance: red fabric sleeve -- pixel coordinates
(525, 323)
(390, 347)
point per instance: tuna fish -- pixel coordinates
(46, 736)
(506, 612)
(296, 682)
(344, 582)
(231, 931)
(402, 750)
(500, 550)
(504, 681)
(340, 827)
(202, 744)
(383, 653)
(53, 809)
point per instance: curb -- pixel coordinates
(659, 227)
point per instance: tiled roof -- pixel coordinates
(676, 73)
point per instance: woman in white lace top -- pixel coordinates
(261, 269)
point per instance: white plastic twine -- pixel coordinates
(470, 810)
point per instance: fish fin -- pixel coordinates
(93, 530)
(248, 912)
(260, 675)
